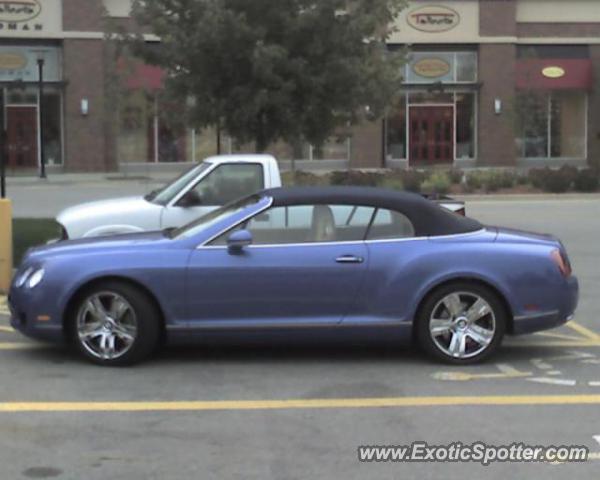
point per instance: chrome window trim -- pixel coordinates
(321, 244)
(245, 219)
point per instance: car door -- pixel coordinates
(390, 282)
(224, 184)
(305, 267)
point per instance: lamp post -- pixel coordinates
(40, 62)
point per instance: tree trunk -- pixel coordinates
(218, 138)
(261, 138)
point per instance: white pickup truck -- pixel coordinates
(214, 182)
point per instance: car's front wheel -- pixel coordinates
(461, 323)
(114, 324)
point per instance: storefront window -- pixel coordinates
(568, 125)
(396, 131)
(466, 67)
(465, 125)
(132, 139)
(149, 133)
(52, 122)
(335, 148)
(444, 67)
(551, 125)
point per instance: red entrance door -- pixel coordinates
(431, 135)
(22, 137)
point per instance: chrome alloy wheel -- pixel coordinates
(106, 325)
(462, 325)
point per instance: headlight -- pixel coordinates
(23, 277)
(36, 278)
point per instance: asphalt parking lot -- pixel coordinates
(302, 413)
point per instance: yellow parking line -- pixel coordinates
(586, 332)
(17, 345)
(299, 404)
(7, 329)
(559, 336)
(542, 344)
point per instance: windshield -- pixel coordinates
(169, 192)
(214, 217)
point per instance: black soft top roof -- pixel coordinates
(428, 218)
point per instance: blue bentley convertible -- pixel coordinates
(305, 263)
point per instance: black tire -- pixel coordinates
(422, 322)
(148, 322)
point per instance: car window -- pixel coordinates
(229, 182)
(307, 224)
(214, 217)
(166, 194)
(389, 224)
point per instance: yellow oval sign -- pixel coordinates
(12, 61)
(553, 72)
(431, 68)
(433, 18)
(19, 10)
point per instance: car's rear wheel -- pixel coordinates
(461, 323)
(114, 324)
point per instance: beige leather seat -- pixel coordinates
(323, 225)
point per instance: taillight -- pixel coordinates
(561, 262)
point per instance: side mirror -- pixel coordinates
(190, 199)
(238, 240)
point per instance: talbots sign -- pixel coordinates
(12, 61)
(433, 18)
(553, 72)
(17, 11)
(431, 68)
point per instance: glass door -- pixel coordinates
(431, 135)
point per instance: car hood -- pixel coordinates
(105, 209)
(134, 241)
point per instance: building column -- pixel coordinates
(85, 145)
(367, 145)
(497, 70)
(593, 119)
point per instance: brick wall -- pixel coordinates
(497, 65)
(498, 18)
(85, 145)
(558, 29)
(83, 15)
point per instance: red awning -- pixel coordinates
(559, 74)
(139, 76)
(147, 77)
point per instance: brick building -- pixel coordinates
(488, 83)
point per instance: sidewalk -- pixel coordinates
(95, 178)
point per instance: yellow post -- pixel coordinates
(6, 247)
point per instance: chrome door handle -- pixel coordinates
(349, 259)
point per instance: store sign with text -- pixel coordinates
(432, 68)
(553, 72)
(433, 18)
(23, 18)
